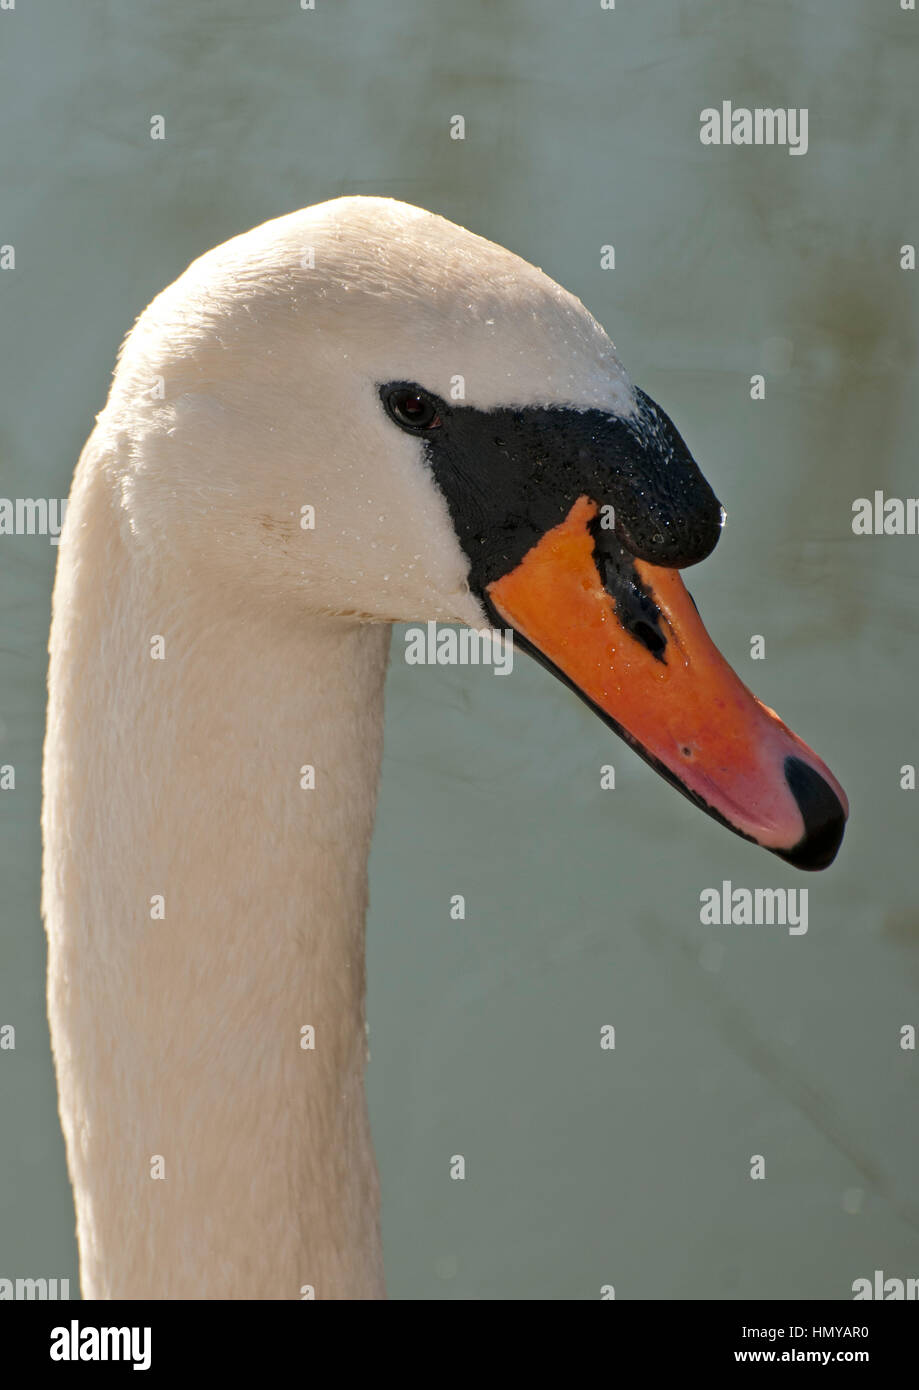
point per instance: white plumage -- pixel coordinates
(246, 392)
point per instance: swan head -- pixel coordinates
(361, 410)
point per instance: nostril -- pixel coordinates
(823, 814)
(648, 637)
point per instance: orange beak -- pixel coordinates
(670, 693)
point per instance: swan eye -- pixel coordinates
(412, 408)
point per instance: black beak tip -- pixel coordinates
(824, 818)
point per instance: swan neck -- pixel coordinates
(210, 782)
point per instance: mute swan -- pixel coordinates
(467, 437)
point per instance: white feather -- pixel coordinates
(247, 391)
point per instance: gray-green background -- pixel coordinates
(584, 1167)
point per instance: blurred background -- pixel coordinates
(584, 1167)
